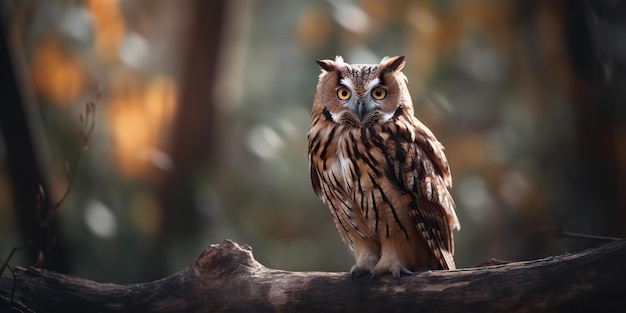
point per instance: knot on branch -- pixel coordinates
(227, 257)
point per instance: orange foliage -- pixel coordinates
(137, 116)
(424, 38)
(109, 27)
(313, 26)
(56, 75)
(378, 12)
(467, 151)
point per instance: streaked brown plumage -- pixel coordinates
(382, 173)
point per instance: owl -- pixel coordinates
(381, 172)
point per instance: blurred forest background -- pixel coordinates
(202, 108)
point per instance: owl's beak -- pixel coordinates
(361, 109)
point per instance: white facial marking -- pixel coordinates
(348, 83)
(373, 83)
(388, 116)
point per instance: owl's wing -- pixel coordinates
(315, 179)
(411, 169)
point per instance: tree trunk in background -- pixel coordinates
(594, 30)
(24, 167)
(193, 138)
(580, 148)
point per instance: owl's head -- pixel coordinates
(361, 95)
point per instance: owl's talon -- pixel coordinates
(356, 272)
(362, 268)
(397, 273)
(352, 275)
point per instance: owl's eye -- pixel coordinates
(379, 93)
(343, 93)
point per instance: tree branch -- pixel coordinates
(227, 278)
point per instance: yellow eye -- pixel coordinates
(379, 93)
(343, 93)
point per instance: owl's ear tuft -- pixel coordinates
(326, 65)
(394, 64)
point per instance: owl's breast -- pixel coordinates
(357, 162)
(342, 170)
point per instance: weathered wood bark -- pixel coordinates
(226, 278)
